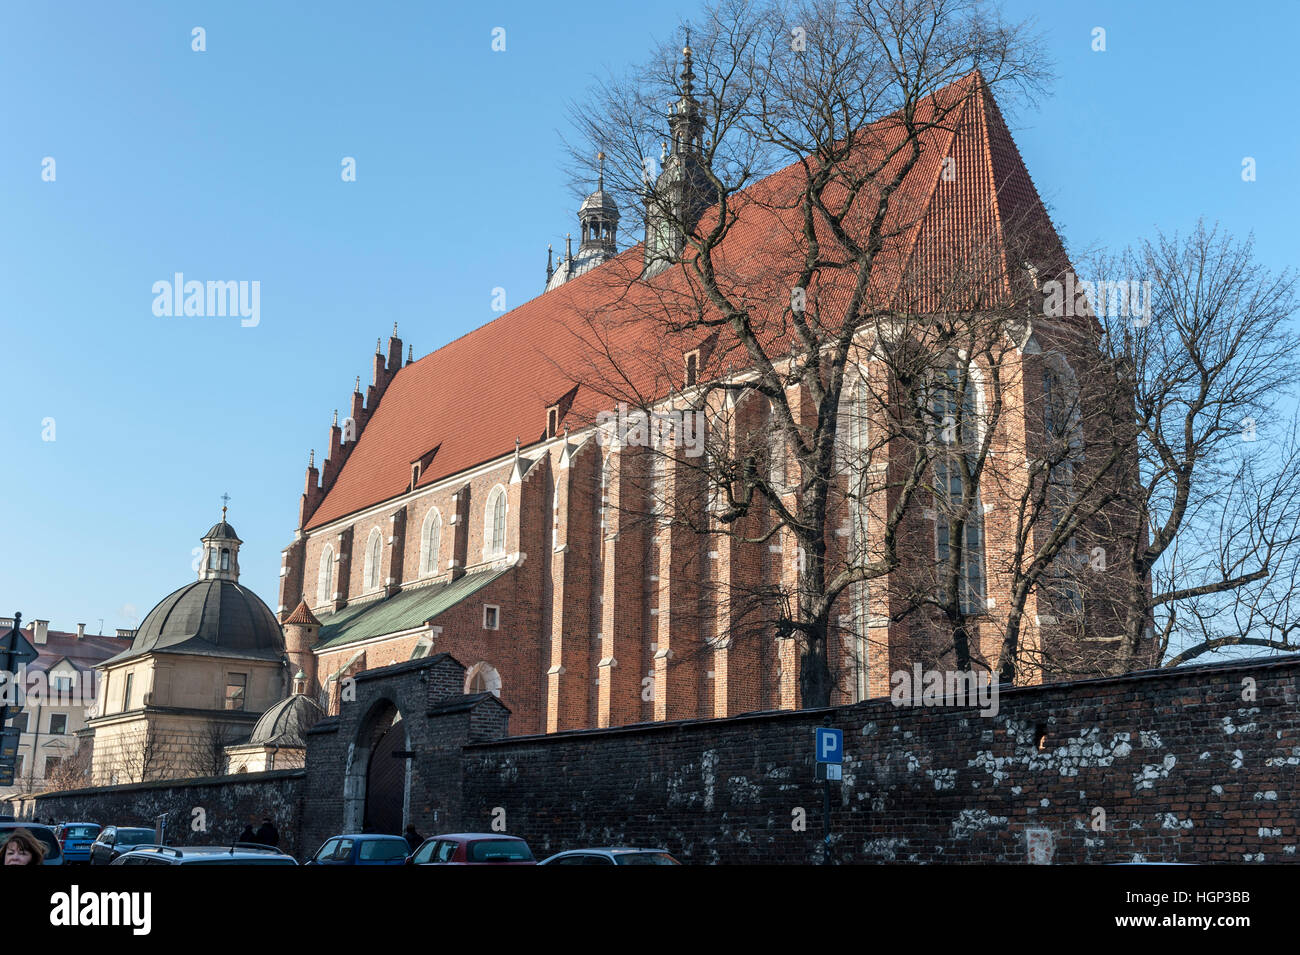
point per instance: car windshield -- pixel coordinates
(134, 837)
(380, 849)
(499, 850)
(81, 832)
(645, 858)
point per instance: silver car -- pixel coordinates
(612, 855)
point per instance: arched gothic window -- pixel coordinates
(483, 678)
(374, 559)
(494, 524)
(325, 577)
(955, 410)
(430, 542)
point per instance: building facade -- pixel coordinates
(52, 718)
(473, 503)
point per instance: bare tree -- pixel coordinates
(72, 771)
(1215, 523)
(140, 754)
(853, 95)
(205, 750)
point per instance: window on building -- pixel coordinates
(225, 558)
(19, 723)
(51, 765)
(325, 577)
(658, 482)
(483, 678)
(236, 685)
(1063, 432)
(374, 560)
(854, 453)
(63, 684)
(491, 617)
(776, 451)
(494, 531)
(212, 559)
(58, 724)
(954, 407)
(126, 691)
(692, 369)
(602, 494)
(430, 542)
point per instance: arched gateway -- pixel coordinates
(377, 780)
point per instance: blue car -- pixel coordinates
(362, 849)
(76, 839)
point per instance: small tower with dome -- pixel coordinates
(598, 236)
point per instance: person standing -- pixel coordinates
(267, 834)
(413, 838)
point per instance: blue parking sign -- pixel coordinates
(830, 745)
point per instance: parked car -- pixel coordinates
(472, 848)
(241, 853)
(613, 855)
(361, 849)
(53, 851)
(76, 839)
(112, 841)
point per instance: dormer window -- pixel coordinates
(692, 369)
(552, 421)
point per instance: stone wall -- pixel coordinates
(1193, 765)
(211, 811)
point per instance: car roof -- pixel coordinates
(478, 835)
(184, 851)
(366, 835)
(613, 849)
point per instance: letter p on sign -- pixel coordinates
(830, 745)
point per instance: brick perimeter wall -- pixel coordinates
(1183, 768)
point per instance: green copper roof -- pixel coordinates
(403, 611)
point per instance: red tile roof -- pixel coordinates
(85, 652)
(473, 397)
(302, 614)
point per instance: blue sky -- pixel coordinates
(225, 164)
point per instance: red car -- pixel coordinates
(472, 848)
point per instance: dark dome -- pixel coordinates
(213, 617)
(284, 723)
(221, 531)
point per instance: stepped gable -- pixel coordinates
(472, 398)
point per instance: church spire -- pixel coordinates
(677, 199)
